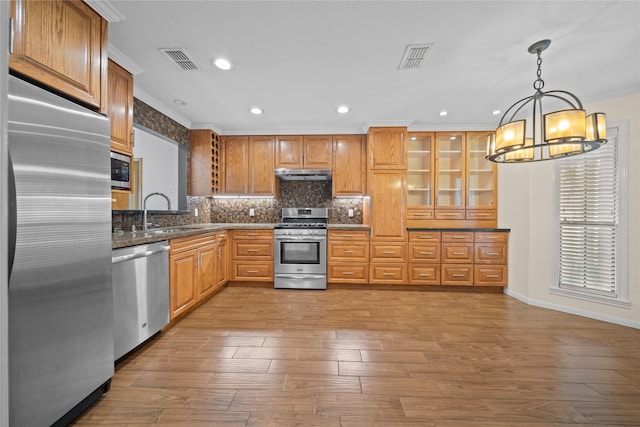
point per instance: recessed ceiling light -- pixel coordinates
(180, 102)
(443, 113)
(343, 109)
(496, 112)
(222, 63)
(256, 110)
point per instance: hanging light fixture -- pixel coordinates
(527, 134)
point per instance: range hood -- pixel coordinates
(286, 174)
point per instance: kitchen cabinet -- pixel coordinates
(348, 166)
(303, 151)
(449, 176)
(252, 255)
(120, 108)
(481, 180)
(490, 258)
(420, 178)
(221, 262)
(249, 163)
(387, 191)
(387, 148)
(192, 264)
(348, 256)
(424, 258)
(205, 162)
(61, 44)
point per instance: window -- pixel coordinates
(591, 229)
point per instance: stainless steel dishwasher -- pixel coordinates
(140, 276)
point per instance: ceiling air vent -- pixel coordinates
(180, 58)
(414, 55)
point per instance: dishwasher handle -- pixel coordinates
(128, 257)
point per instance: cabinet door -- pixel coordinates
(348, 165)
(387, 191)
(387, 148)
(207, 258)
(205, 165)
(450, 170)
(289, 151)
(221, 264)
(236, 156)
(481, 174)
(63, 45)
(420, 171)
(183, 281)
(262, 181)
(317, 151)
(120, 108)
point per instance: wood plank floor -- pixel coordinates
(346, 357)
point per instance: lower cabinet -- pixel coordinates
(197, 267)
(348, 256)
(252, 256)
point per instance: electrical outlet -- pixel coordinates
(195, 212)
(350, 213)
(252, 212)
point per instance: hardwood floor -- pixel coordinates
(343, 357)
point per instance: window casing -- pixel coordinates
(591, 207)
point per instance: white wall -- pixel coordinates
(159, 168)
(526, 205)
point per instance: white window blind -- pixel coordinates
(589, 220)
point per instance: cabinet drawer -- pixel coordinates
(491, 237)
(253, 234)
(426, 252)
(388, 273)
(348, 272)
(421, 236)
(259, 251)
(450, 214)
(361, 235)
(221, 235)
(457, 253)
(420, 214)
(457, 236)
(348, 251)
(490, 275)
(457, 275)
(192, 242)
(424, 274)
(482, 214)
(258, 270)
(490, 253)
(388, 252)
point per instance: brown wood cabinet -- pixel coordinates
(222, 261)
(205, 162)
(387, 148)
(348, 171)
(249, 163)
(388, 195)
(61, 44)
(424, 258)
(348, 256)
(308, 151)
(120, 108)
(252, 255)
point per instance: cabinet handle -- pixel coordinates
(347, 252)
(458, 237)
(348, 273)
(251, 234)
(347, 235)
(419, 214)
(425, 275)
(492, 276)
(388, 252)
(493, 253)
(252, 271)
(458, 275)
(252, 250)
(388, 274)
(482, 214)
(458, 253)
(450, 214)
(11, 35)
(426, 253)
(426, 237)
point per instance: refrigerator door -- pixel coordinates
(60, 295)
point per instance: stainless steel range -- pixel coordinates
(301, 249)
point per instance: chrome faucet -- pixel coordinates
(144, 207)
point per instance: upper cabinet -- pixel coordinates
(420, 175)
(298, 152)
(63, 45)
(348, 176)
(205, 153)
(481, 177)
(387, 148)
(449, 173)
(249, 163)
(120, 108)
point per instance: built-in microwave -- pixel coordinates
(120, 171)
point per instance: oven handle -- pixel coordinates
(300, 277)
(298, 238)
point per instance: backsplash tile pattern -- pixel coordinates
(151, 118)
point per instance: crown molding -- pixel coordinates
(161, 107)
(106, 9)
(124, 61)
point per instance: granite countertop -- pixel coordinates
(483, 229)
(129, 238)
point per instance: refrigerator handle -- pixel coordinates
(13, 223)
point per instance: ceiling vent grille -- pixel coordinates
(414, 55)
(180, 58)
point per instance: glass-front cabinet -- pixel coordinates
(420, 170)
(481, 178)
(450, 170)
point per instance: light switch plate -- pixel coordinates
(350, 213)
(252, 212)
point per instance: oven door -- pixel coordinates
(300, 254)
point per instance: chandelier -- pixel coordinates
(527, 134)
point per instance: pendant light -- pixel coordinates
(526, 133)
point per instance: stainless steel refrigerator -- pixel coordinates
(60, 295)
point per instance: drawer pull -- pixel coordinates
(419, 214)
(493, 253)
(482, 214)
(348, 235)
(426, 253)
(252, 271)
(459, 253)
(426, 237)
(458, 237)
(492, 276)
(450, 214)
(425, 275)
(388, 252)
(348, 273)
(347, 252)
(388, 274)
(252, 250)
(459, 275)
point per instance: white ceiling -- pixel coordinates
(299, 60)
